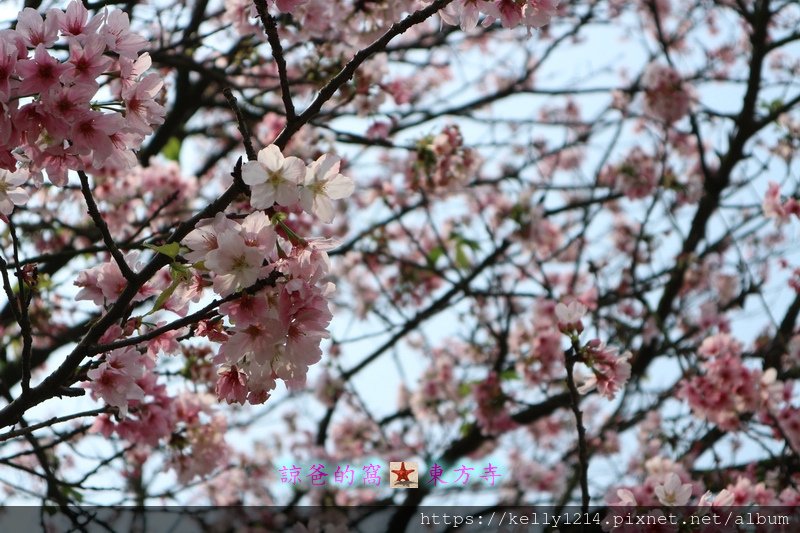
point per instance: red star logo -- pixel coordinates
(402, 473)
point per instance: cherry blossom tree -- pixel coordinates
(251, 248)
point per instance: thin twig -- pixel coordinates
(100, 223)
(271, 29)
(23, 318)
(570, 358)
(51, 422)
(187, 320)
(248, 143)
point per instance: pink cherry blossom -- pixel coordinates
(247, 310)
(114, 381)
(36, 30)
(118, 36)
(86, 60)
(666, 96)
(236, 265)
(626, 498)
(231, 385)
(203, 239)
(464, 13)
(509, 12)
(92, 132)
(257, 231)
(40, 73)
(142, 112)
(610, 371)
(724, 498)
(537, 13)
(8, 63)
(776, 208)
(75, 21)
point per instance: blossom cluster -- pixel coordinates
(195, 434)
(287, 181)
(667, 97)
(667, 483)
(726, 389)
(609, 370)
(272, 285)
(51, 120)
(437, 396)
(492, 414)
(278, 323)
(157, 192)
(636, 177)
(104, 283)
(776, 208)
(442, 163)
(510, 13)
(115, 379)
(727, 392)
(543, 357)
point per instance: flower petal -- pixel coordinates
(262, 196)
(271, 158)
(339, 186)
(253, 173)
(323, 208)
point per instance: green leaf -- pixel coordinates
(70, 492)
(434, 255)
(164, 296)
(180, 271)
(171, 250)
(462, 261)
(460, 240)
(172, 150)
(471, 244)
(509, 374)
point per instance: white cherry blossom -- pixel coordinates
(11, 193)
(673, 492)
(323, 183)
(273, 178)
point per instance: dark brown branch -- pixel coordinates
(24, 298)
(570, 358)
(100, 223)
(51, 422)
(241, 123)
(271, 29)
